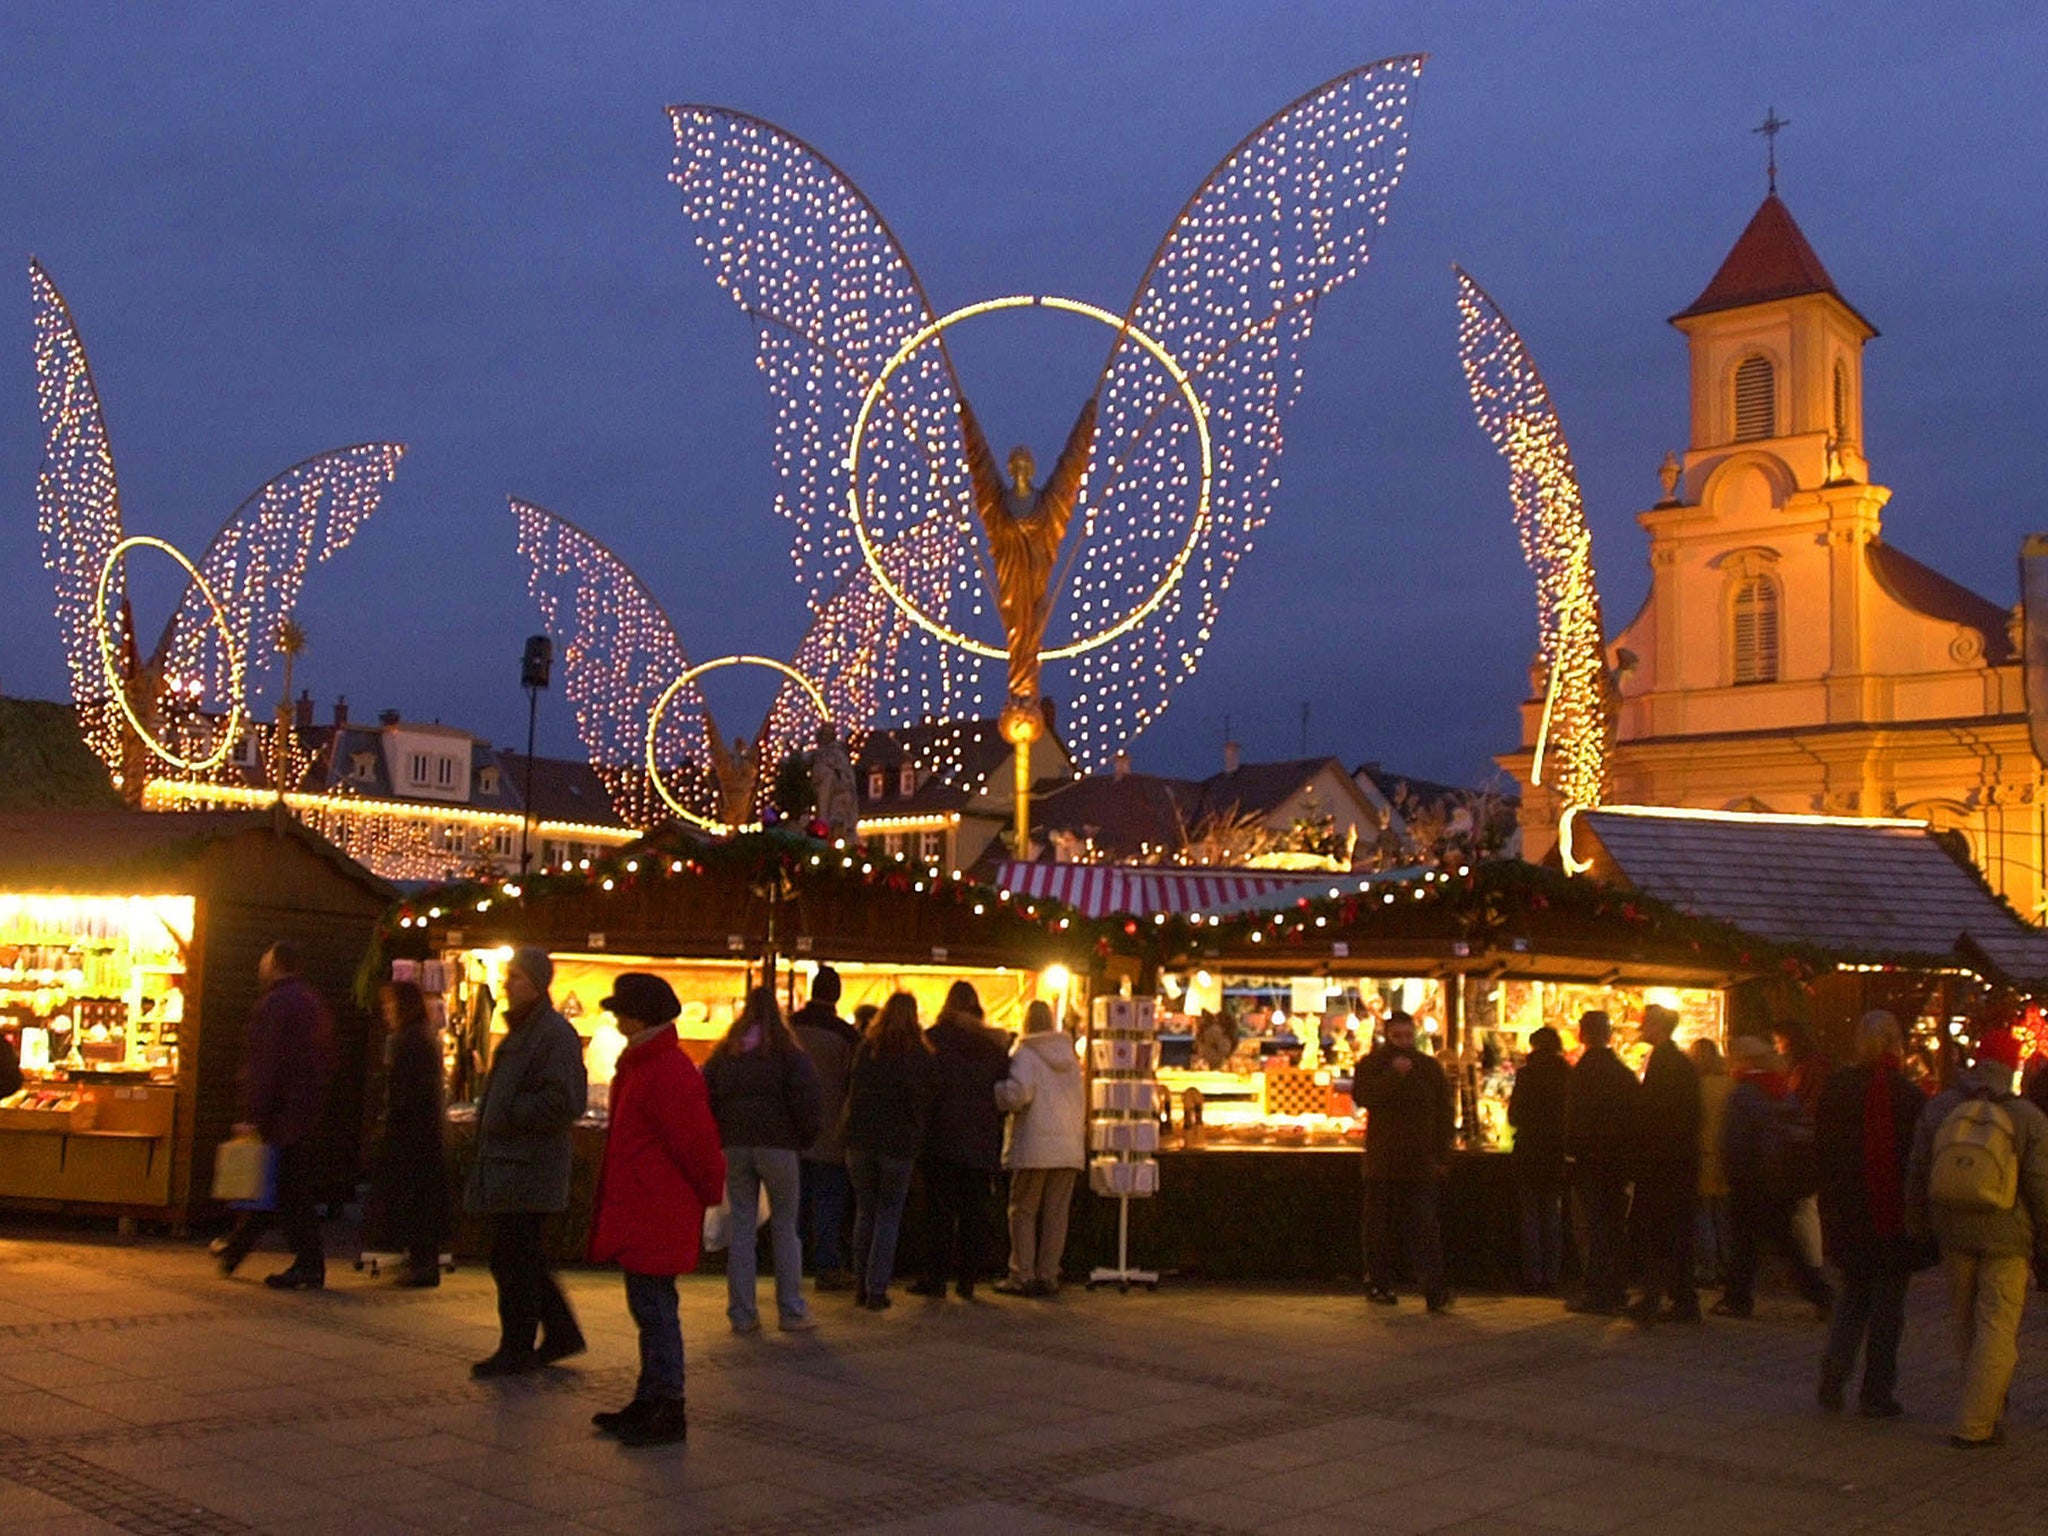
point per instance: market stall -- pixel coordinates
(708, 918)
(128, 950)
(1263, 1014)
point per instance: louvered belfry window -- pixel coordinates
(1841, 404)
(1756, 631)
(1756, 400)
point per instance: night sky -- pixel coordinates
(281, 235)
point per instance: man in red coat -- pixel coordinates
(662, 1167)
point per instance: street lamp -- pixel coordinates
(534, 666)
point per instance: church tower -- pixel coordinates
(1788, 658)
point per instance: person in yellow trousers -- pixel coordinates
(1978, 1182)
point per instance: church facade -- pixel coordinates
(1788, 657)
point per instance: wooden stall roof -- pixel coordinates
(1867, 890)
(717, 906)
(128, 852)
(1508, 921)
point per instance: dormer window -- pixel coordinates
(444, 772)
(422, 765)
(906, 780)
(878, 783)
(1755, 629)
(362, 767)
(487, 781)
(1756, 399)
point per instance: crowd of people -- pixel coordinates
(1681, 1177)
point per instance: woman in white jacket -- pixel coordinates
(1043, 1148)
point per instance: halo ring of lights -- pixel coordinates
(1167, 582)
(688, 676)
(119, 690)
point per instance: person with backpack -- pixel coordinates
(1978, 1182)
(1863, 1137)
(765, 1095)
(1767, 1156)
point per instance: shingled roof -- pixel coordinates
(1863, 889)
(1770, 260)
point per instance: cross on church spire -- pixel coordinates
(1770, 128)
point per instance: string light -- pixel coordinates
(687, 679)
(216, 647)
(1281, 222)
(1515, 411)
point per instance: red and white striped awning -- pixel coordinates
(1144, 891)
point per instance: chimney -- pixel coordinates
(302, 712)
(341, 712)
(388, 717)
(1230, 757)
(1123, 763)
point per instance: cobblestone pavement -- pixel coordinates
(141, 1393)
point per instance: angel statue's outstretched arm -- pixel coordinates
(1063, 486)
(983, 473)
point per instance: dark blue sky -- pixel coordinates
(451, 226)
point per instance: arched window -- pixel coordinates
(1755, 617)
(1756, 399)
(1841, 403)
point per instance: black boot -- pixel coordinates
(615, 1420)
(663, 1424)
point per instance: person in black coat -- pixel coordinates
(1408, 1130)
(890, 1089)
(1601, 1112)
(963, 1150)
(409, 1170)
(1667, 1175)
(1863, 1140)
(1536, 1112)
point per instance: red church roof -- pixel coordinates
(1771, 260)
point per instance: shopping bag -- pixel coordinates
(717, 1227)
(245, 1174)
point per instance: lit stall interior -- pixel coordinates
(712, 992)
(92, 999)
(1251, 1060)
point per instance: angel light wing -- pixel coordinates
(1231, 293)
(256, 566)
(875, 667)
(619, 654)
(808, 258)
(78, 509)
(1515, 412)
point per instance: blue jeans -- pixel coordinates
(1711, 1239)
(652, 1301)
(749, 1170)
(881, 1188)
(828, 1191)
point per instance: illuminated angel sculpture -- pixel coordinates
(1117, 566)
(177, 708)
(1515, 412)
(643, 720)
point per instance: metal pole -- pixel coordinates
(526, 819)
(1022, 760)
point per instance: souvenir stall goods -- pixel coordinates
(128, 950)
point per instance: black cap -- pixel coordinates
(637, 995)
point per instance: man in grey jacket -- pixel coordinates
(1985, 1245)
(533, 1097)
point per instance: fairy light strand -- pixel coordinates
(217, 650)
(1282, 221)
(1514, 410)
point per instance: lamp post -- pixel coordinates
(534, 666)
